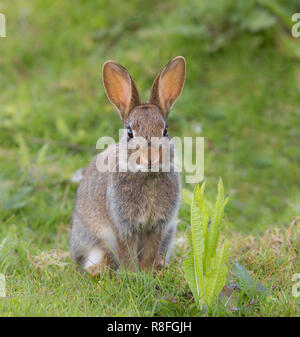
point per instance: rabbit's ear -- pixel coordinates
(168, 85)
(120, 88)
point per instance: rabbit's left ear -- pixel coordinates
(120, 88)
(168, 85)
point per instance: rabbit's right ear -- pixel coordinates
(120, 88)
(168, 85)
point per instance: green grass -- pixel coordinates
(243, 98)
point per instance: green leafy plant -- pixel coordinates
(205, 266)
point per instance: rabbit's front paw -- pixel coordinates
(96, 269)
(159, 264)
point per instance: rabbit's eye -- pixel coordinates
(129, 132)
(166, 131)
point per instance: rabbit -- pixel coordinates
(127, 219)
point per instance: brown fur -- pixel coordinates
(128, 219)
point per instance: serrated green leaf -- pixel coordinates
(215, 226)
(205, 266)
(216, 276)
(197, 240)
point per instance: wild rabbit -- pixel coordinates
(128, 218)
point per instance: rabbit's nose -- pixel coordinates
(150, 157)
(153, 156)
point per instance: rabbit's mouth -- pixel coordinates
(152, 168)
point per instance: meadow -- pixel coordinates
(242, 93)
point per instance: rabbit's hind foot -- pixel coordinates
(98, 261)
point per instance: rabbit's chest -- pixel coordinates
(141, 205)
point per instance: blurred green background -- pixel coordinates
(242, 94)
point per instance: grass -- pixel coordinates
(243, 98)
(47, 284)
